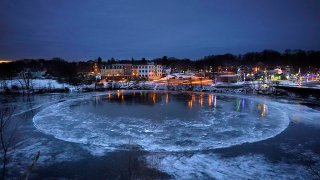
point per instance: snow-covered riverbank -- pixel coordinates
(52, 86)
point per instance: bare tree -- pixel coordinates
(3, 83)
(311, 164)
(7, 131)
(25, 80)
(30, 168)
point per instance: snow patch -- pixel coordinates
(212, 166)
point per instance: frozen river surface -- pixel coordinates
(150, 134)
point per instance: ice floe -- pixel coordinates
(210, 130)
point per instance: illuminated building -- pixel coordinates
(116, 70)
(149, 71)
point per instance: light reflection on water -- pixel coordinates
(193, 101)
(167, 98)
(263, 110)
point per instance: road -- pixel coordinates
(193, 81)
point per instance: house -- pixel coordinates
(114, 70)
(276, 71)
(166, 71)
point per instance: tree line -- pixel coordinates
(71, 71)
(270, 58)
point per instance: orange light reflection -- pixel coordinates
(167, 98)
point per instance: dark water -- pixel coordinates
(149, 134)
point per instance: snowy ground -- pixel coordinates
(53, 84)
(38, 83)
(207, 166)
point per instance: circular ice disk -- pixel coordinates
(219, 126)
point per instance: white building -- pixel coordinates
(150, 71)
(167, 70)
(276, 71)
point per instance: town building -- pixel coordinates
(114, 70)
(149, 71)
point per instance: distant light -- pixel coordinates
(5, 61)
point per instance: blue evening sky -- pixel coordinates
(86, 29)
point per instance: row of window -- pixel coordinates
(146, 67)
(143, 75)
(142, 71)
(122, 67)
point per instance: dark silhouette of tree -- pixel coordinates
(7, 132)
(112, 61)
(165, 61)
(143, 61)
(99, 59)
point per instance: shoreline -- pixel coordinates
(245, 89)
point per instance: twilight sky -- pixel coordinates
(83, 29)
